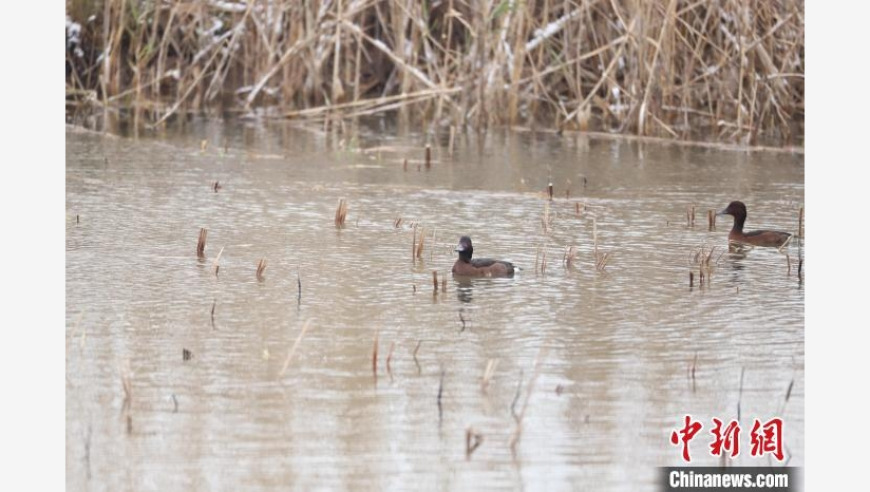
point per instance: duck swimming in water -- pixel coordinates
(774, 239)
(479, 267)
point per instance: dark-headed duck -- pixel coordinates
(479, 267)
(775, 239)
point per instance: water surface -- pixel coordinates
(604, 358)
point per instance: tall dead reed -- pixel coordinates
(341, 213)
(200, 243)
(727, 71)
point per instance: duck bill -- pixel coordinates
(459, 248)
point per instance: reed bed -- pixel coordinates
(725, 71)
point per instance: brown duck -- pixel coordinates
(479, 267)
(774, 239)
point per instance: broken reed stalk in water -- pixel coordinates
(570, 256)
(414, 242)
(405, 165)
(435, 281)
(595, 237)
(217, 260)
(200, 243)
(390, 358)
(428, 156)
(491, 365)
(711, 220)
(601, 264)
(450, 145)
(341, 213)
(473, 440)
(213, 305)
(375, 356)
(546, 220)
(261, 267)
(419, 252)
(529, 389)
(293, 348)
(298, 288)
(550, 191)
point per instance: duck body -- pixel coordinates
(465, 266)
(764, 238)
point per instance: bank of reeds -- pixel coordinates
(683, 69)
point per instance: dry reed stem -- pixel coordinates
(428, 158)
(419, 252)
(200, 243)
(341, 213)
(375, 355)
(298, 288)
(434, 281)
(570, 256)
(473, 440)
(491, 366)
(529, 389)
(217, 260)
(294, 347)
(261, 267)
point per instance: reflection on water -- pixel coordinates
(614, 349)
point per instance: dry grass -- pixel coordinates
(726, 71)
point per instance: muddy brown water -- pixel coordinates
(603, 358)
